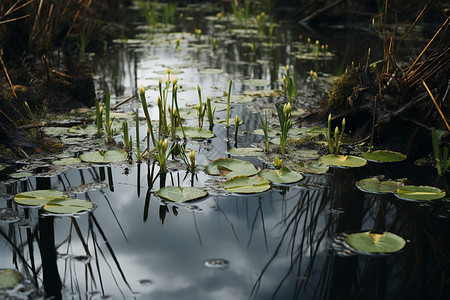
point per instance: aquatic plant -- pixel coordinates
(440, 153)
(108, 122)
(228, 103)
(334, 143)
(162, 155)
(290, 85)
(277, 163)
(98, 117)
(176, 112)
(236, 126)
(192, 160)
(127, 139)
(284, 117)
(201, 108)
(210, 111)
(147, 115)
(138, 142)
(265, 127)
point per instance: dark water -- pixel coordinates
(273, 245)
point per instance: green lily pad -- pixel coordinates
(313, 167)
(283, 175)
(256, 82)
(195, 133)
(100, 157)
(230, 167)
(19, 175)
(56, 130)
(384, 156)
(39, 198)
(246, 151)
(230, 120)
(376, 186)
(68, 206)
(419, 193)
(368, 242)
(67, 161)
(270, 132)
(9, 279)
(2, 167)
(211, 71)
(179, 194)
(346, 161)
(246, 185)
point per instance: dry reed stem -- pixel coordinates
(7, 76)
(36, 20)
(435, 104)
(412, 25)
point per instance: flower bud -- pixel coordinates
(175, 80)
(192, 157)
(278, 162)
(141, 90)
(165, 144)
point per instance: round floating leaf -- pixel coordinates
(39, 198)
(56, 130)
(347, 161)
(246, 151)
(195, 133)
(110, 156)
(376, 186)
(2, 167)
(313, 167)
(283, 175)
(19, 175)
(264, 93)
(9, 279)
(246, 185)
(256, 82)
(211, 71)
(230, 120)
(179, 194)
(67, 161)
(230, 167)
(68, 206)
(419, 193)
(369, 242)
(384, 156)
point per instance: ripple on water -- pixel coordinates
(216, 263)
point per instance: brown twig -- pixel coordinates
(412, 25)
(435, 104)
(122, 102)
(7, 75)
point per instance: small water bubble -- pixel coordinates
(216, 264)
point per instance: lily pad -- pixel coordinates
(179, 194)
(419, 193)
(313, 167)
(256, 82)
(68, 206)
(230, 121)
(384, 156)
(246, 185)
(9, 279)
(230, 167)
(19, 175)
(368, 242)
(283, 175)
(195, 133)
(67, 161)
(39, 198)
(2, 167)
(246, 151)
(211, 71)
(376, 186)
(109, 156)
(263, 93)
(346, 161)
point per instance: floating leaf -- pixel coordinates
(9, 279)
(384, 156)
(230, 120)
(195, 133)
(246, 185)
(2, 167)
(283, 175)
(347, 161)
(376, 186)
(19, 175)
(109, 156)
(39, 198)
(256, 82)
(246, 151)
(68, 206)
(313, 167)
(263, 93)
(419, 193)
(369, 242)
(230, 167)
(56, 130)
(67, 161)
(211, 71)
(179, 194)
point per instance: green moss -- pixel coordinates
(342, 88)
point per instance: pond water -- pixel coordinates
(272, 245)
